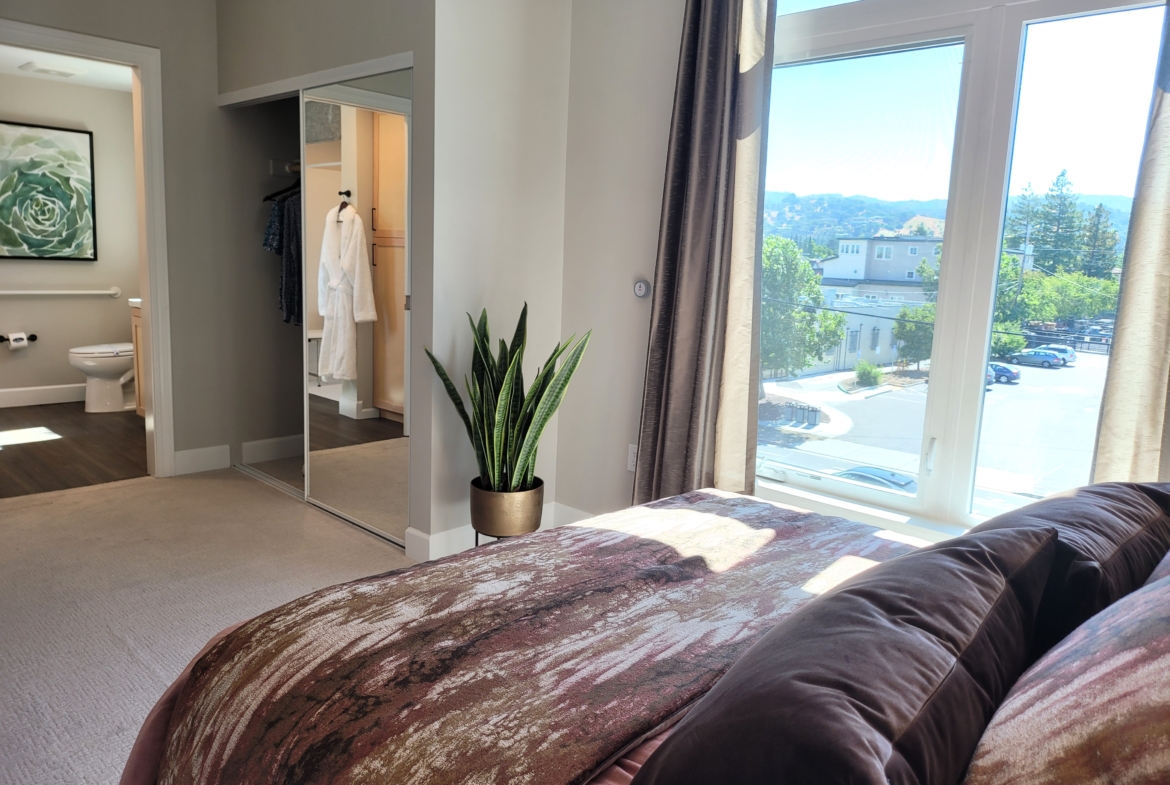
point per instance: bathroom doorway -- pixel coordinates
(80, 247)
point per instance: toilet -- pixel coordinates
(107, 367)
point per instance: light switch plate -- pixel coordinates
(632, 458)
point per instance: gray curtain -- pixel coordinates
(1133, 439)
(684, 365)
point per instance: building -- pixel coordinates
(879, 268)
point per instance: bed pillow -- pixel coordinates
(890, 677)
(1161, 571)
(1110, 538)
(1095, 709)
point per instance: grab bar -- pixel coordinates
(113, 291)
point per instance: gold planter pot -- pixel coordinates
(500, 514)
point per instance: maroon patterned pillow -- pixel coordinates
(1094, 709)
(1160, 572)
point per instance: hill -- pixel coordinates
(827, 217)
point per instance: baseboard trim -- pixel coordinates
(263, 450)
(355, 410)
(38, 396)
(203, 459)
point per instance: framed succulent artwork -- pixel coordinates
(46, 193)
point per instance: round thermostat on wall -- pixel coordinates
(642, 289)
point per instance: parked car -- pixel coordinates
(1067, 355)
(882, 478)
(1036, 357)
(990, 377)
(1003, 374)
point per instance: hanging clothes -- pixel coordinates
(345, 292)
(282, 236)
(291, 301)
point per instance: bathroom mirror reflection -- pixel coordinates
(356, 298)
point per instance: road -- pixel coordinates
(1037, 435)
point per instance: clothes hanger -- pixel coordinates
(282, 191)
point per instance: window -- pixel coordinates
(878, 433)
(1037, 436)
(1023, 131)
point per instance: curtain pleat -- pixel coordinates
(696, 251)
(1133, 440)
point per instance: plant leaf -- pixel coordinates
(520, 337)
(549, 401)
(452, 391)
(503, 407)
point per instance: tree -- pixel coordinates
(1006, 340)
(1022, 220)
(1057, 238)
(921, 230)
(929, 275)
(1099, 244)
(794, 332)
(914, 332)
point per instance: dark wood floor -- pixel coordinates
(93, 448)
(328, 429)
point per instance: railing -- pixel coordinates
(113, 291)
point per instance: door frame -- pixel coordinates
(145, 63)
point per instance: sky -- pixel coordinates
(883, 125)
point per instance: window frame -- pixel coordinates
(980, 167)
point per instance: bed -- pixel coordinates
(561, 657)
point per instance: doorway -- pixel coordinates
(78, 402)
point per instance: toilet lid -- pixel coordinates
(104, 350)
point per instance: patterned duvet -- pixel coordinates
(535, 660)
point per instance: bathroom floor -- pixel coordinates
(58, 446)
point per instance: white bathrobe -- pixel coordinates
(345, 292)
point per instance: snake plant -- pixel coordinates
(506, 422)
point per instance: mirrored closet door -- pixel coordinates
(356, 207)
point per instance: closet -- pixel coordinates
(352, 299)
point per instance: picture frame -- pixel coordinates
(48, 209)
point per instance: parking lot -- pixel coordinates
(1037, 435)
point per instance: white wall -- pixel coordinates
(501, 107)
(59, 323)
(621, 92)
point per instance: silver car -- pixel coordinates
(1066, 353)
(1036, 357)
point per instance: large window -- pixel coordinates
(986, 394)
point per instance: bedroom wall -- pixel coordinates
(212, 212)
(501, 109)
(263, 41)
(621, 93)
(62, 323)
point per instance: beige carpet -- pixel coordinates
(366, 482)
(107, 591)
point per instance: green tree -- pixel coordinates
(929, 275)
(1006, 339)
(1058, 236)
(921, 230)
(1022, 220)
(794, 332)
(1100, 244)
(914, 332)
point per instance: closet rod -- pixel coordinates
(113, 291)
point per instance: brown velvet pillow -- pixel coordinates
(1095, 709)
(891, 677)
(1110, 538)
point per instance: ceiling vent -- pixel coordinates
(63, 72)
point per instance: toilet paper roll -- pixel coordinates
(17, 341)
